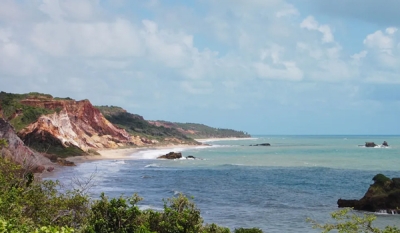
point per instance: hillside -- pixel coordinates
(137, 125)
(195, 130)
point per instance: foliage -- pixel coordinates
(352, 222)
(3, 143)
(27, 206)
(204, 131)
(380, 179)
(119, 215)
(6, 227)
(248, 230)
(136, 125)
(21, 115)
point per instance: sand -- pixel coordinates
(124, 153)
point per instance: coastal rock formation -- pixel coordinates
(382, 196)
(385, 143)
(171, 155)
(75, 124)
(18, 152)
(370, 144)
(261, 144)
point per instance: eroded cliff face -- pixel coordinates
(18, 152)
(75, 124)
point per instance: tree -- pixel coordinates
(347, 221)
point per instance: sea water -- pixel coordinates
(275, 188)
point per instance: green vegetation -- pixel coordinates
(21, 115)
(38, 206)
(204, 131)
(346, 221)
(136, 125)
(381, 179)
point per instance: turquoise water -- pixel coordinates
(235, 185)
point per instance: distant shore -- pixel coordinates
(124, 153)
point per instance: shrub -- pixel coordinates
(380, 179)
(352, 222)
(248, 230)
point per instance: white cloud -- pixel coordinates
(311, 24)
(378, 40)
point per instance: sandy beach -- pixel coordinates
(124, 153)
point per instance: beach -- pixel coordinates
(125, 153)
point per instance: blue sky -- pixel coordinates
(261, 66)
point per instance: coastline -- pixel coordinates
(125, 153)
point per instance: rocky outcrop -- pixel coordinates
(261, 144)
(382, 196)
(74, 124)
(18, 152)
(370, 144)
(171, 155)
(385, 143)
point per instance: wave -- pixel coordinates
(153, 165)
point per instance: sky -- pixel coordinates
(262, 66)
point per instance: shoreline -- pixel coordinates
(125, 153)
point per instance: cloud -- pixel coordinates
(164, 59)
(311, 24)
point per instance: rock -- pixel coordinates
(385, 143)
(382, 196)
(50, 169)
(18, 152)
(64, 162)
(370, 144)
(171, 155)
(39, 169)
(190, 157)
(261, 144)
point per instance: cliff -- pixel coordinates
(195, 130)
(137, 125)
(18, 152)
(64, 127)
(382, 196)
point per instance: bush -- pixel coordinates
(352, 222)
(26, 205)
(248, 230)
(380, 179)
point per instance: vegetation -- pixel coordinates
(136, 125)
(203, 131)
(21, 115)
(347, 221)
(381, 179)
(39, 206)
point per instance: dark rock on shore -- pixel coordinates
(382, 196)
(64, 162)
(261, 144)
(171, 155)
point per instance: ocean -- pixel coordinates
(275, 188)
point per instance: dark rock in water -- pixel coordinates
(171, 155)
(383, 196)
(50, 169)
(261, 144)
(370, 144)
(385, 143)
(190, 157)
